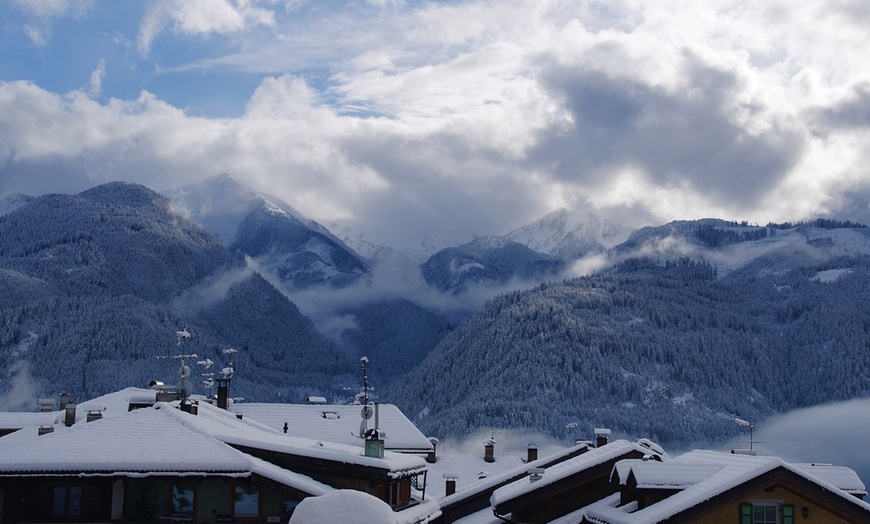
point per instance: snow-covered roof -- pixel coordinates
(13, 420)
(142, 442)
(505, 469)
(670, 475)
(726, 471)
(338, 423)
(226, 427)
(562, 470)
(840, 476)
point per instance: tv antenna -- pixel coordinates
(366, 412)
(185, 386)
(229, 369)
(746, 424)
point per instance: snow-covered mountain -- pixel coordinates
(669, 350)
(570, 234)
(488, 260)
(731, 245)
(282, 241)
(94, 286)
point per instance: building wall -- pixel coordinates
(730, 511)
(146, 500)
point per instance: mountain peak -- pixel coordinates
(570, 234)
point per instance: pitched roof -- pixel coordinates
(226, 427)
(338, 423)
(143, 442)
(709, 475)
(568, 468)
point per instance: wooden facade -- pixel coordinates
(462, 504)
(393, 489)
(147, 499)
(781, 488)
(556, 499)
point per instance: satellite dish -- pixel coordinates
(366, 412)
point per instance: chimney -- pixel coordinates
(64, 400)
(601, 435)
(489, 450)
(374, 444)
(190, 406)
(450, 483)
(223, 392)
(94, 414)
(431, 457)
(70, 415)
(532, 452)
(44, 430)
(46, 405)
(536, 474)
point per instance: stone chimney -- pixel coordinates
(489, 450)
(532, 452)
(601, 435)
(450, 483)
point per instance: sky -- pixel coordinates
(457, 118)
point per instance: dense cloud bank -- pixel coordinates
(372, 113)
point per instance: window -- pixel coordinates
(246, 501)
(764, 512)
(182, 501)
(66, 502)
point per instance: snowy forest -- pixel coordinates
(688, 326)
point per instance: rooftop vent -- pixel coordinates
(450, 483)
(601, 436)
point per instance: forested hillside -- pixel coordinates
(667, 351)
(94, 287)
(488, 260)
(395, 335)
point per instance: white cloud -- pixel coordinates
(833, 433)
(36, 35)
(95, 84)
(452, 119)
(55, 8)
(201, 17)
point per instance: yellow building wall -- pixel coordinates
(729, 513)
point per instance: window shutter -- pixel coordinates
(787, 514)
(746, 514)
